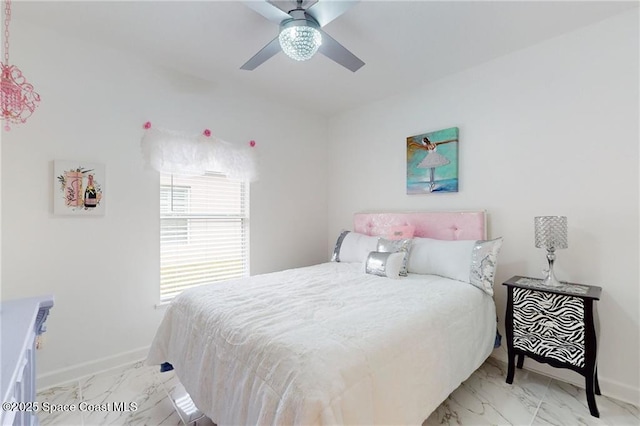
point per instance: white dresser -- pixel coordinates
(21, 321)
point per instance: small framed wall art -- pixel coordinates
(432, 162)
(78, 188)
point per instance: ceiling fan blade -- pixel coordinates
(338, 53)
(265, 53)
(326, 11)
(268, 10)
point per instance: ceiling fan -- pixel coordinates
(300, 35)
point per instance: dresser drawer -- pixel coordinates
(548, 315)
(551, 347)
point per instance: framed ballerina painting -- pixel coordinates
(432, 162)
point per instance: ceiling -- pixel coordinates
(404, 44)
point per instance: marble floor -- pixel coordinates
(138, 395)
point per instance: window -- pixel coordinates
(203, 231)
(174, 199)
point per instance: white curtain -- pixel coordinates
(173, 152)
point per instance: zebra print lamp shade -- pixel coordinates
(551, 233)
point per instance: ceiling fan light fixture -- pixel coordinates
(300, 42)
(301, 34)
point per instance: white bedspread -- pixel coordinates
(326, 344)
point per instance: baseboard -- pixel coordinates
(77, 372)
(610, 388)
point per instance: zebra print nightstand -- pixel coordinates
(554, 325)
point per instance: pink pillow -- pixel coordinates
(400, 232)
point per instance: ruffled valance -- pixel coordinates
(168, 151)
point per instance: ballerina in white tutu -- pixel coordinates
(432, 160)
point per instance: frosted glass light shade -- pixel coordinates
(300, 42)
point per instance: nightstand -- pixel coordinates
(554, 325)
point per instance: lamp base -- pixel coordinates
(550, 278)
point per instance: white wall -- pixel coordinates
(104, 271)
(550, 130)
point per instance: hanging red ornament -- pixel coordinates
(18, 99)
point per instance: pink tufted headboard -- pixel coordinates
(463, 225)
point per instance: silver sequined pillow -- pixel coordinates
(484, 258)
(384, 264)
(336, 250)
(396, 246)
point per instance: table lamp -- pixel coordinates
(551, 233)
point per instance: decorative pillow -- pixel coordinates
(336, 250)
(401, 232)
(384, 264)
(353, 247)
(469, 261)
(395, 246)
(484, 260)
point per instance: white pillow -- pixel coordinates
(469, 261)
(353, 247)
(384, 264)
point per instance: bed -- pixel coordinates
(331, 344)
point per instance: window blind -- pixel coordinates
(203, 231)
